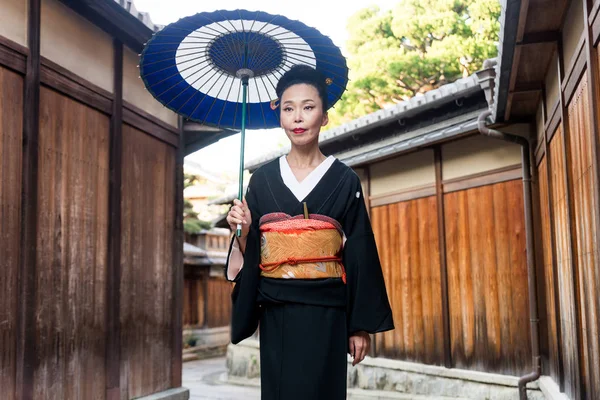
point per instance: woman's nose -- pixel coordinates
(297, 116)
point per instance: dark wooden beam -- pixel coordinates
(113, 276)
(505, 174)
(148, 125)
(13, 55)
(402, 195)
(66, 82)
(552, 120)
(26, 348)
(575, 73)
(539, 37)
(439, 192)
(177, 270)
(527, 88)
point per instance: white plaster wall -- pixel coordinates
(13, 20)
(404, 172)
(76, 44)
(478, 154)
(572, 30)
(552, 89)
(135, 92)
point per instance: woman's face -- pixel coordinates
(302, 114)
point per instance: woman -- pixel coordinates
(311, 273)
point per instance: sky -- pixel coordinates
(329, 17)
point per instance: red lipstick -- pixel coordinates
(299, 131)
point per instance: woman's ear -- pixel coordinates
(325, 119)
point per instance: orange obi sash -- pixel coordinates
(299, 248)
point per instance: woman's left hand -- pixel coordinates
(359, 343)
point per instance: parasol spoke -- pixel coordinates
(299, 52)
(237, 103)
(327, 72)
(185, 90)
(260, 102)
(176, 57)
(205, 94)
(225, 106)
(197, 91)
(322, 62)
(175, 74)
(176, 64)
(215, 98)
(195, 27)
(173, 51)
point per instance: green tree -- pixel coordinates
(191, 222)
(418, 46)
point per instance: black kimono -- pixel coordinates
(305, 323)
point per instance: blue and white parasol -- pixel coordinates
(221, 68)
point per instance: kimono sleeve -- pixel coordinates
(368, 307)
(245, 312)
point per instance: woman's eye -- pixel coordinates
(287, 109)
(309, 107)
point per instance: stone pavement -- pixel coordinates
(207, 379)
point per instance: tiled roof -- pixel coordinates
(144, 17)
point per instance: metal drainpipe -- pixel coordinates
(533, 311)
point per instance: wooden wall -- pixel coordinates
(454, 260)
(487, 278)
(550, 281)
(194, 295)
(206, 301)
(584, 232)
(64, 320)
(219, 302)
(567, 174)
(71, 249)
(11, 130)
(407, 238)
(146, 262)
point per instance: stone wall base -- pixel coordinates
(397, 378)
(171, 394)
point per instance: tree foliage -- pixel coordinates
(191, 222)
(417, 46)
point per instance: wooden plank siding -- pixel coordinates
(584, 207)
(11, 131)
(547, 263)
(146, 262)
(71, 250)
(566, 295)
(408, 243)
(193, 302)
(487, 278)
(218, 298)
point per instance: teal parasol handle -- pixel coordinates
(243, 140)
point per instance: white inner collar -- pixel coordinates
(302, 189)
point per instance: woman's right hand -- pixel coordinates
(240, 214)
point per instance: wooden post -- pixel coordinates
(553, 245)
(593, 92)
(113, 276)
(177, 334)
(26, 351)
(570, 228)
(437, 155)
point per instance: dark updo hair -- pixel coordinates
(303, 73)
